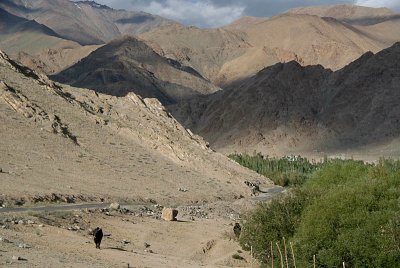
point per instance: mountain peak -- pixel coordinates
(93, 4)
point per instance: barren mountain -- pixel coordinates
(289, 108)
(309, 40)
(235, 53)
(73, 142)
(85, 22)
(205, 50)
(381, 24)
(37, 46)
(244, 22)
(129, 65)
(352, 14)
(19, 34)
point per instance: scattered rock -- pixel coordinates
(30, 222)
(146, 245)
(125, 242)
(115, 206)
(148, 250)
(5, 240)
(17, 258)
(21, 222)
(24, 246)
(181, 189)
(169, 214)
(75, 228)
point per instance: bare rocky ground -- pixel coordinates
(135, 235)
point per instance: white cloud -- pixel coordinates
(395, 4)
(213, 13)
(203, 13)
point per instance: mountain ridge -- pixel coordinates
(128, 64)
(289, 108)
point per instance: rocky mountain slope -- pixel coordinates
(85, 22)
(129, 65)
(289, 108)
(58, 141)
(249, 45)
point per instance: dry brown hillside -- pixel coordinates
(381, 24)
(129, 65)
(205, 50)
(288, 108)
(73, 142)
(246, 47)
(352, 14)
(53, 60)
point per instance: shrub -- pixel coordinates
(237, 257)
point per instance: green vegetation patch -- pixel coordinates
(344, 211)
(289, 170)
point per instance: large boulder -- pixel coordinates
(115, 206)
(169, 214)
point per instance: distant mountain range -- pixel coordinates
(85, 22)
(332, 36)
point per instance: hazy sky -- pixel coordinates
(211, 13)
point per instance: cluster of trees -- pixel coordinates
(345, 211)
(285, 171)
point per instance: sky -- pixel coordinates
(214, 13)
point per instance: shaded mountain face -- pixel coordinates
(240, 50)
(85, 22)
(57, 139)
(289, 108)
(129, 65)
